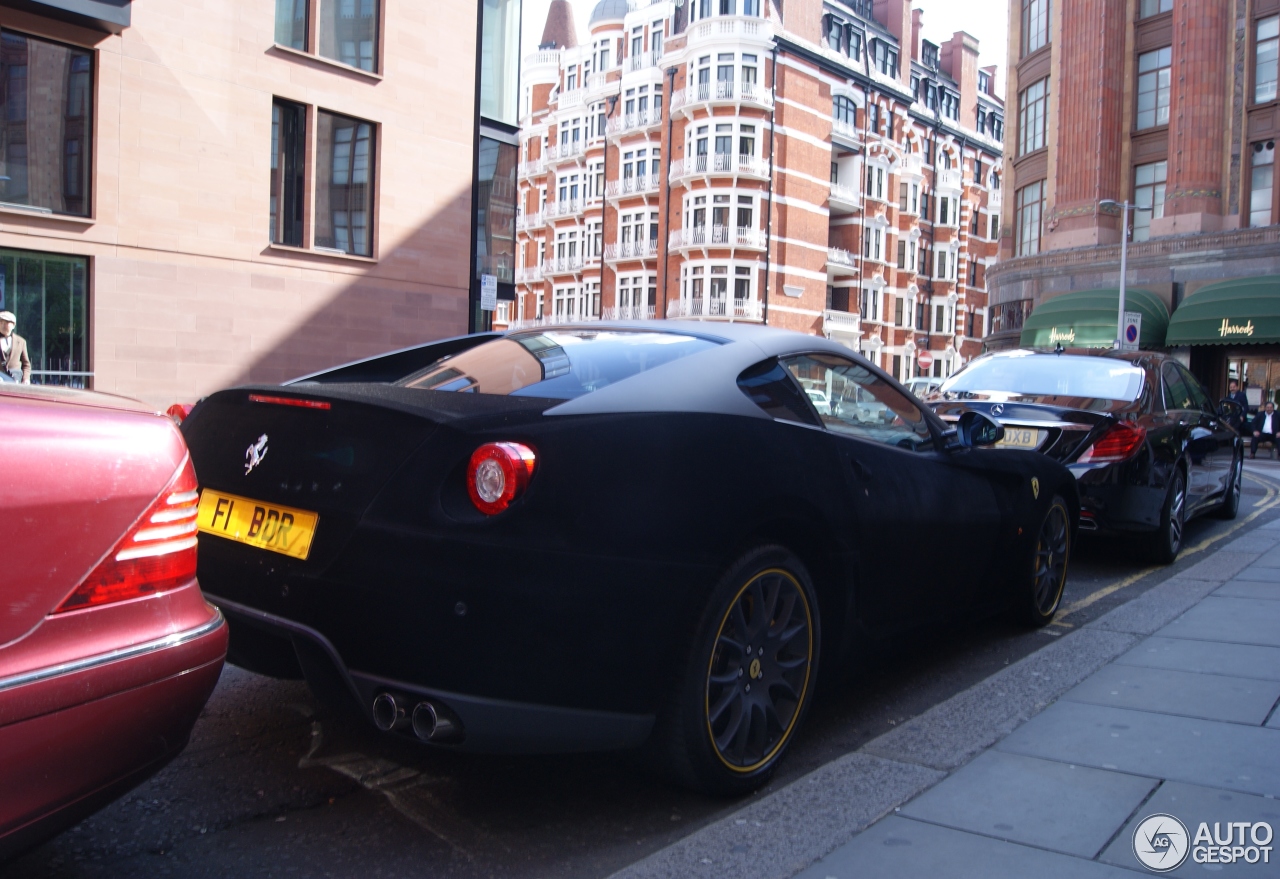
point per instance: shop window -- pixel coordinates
(46, 125)
(47, 294)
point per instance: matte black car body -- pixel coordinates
(558, 624)
(1126, 496)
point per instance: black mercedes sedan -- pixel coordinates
(1148, 447)
(603, 536)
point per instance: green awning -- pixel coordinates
(1242, 312)
(1087, 319)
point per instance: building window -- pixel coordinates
(1154, 7)
(951, 105)
(1262, 183)
(47, 295)
(349, 32)
(288, 172)
(46, 124)
(291, 24)
(1148, 192)
(1268, 54)
(844, 111)
(1153, 88)
(873, 117)
(1035, 25)
(1030, 204)
(344, 198)
(1033, 108)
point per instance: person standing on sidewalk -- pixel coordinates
(1235, 395)
(13, 350)
(1264, 428)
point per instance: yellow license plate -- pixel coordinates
(267, 526)
(1020, 438)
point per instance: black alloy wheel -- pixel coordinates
(1166, 542)
(1230, 505)
(748, 680)
(1050, 560)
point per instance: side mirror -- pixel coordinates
(1230, 410)
(977, 429)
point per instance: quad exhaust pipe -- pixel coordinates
(429, 721)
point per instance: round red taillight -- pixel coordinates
(498, 474)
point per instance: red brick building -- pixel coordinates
(1170, 105)
(812, 165)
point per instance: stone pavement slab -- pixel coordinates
(1204, 752)
(1274, 722)
(1185, 693)
(1235, 620)
(1192, 804)
(900, 848)
(1157, 607)
(1070, 809)
(1269, 559)
(1265, 589)
(1206, 657)
(1220, 565)
(1267, 574)
(1256, 541)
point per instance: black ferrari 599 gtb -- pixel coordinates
(605, 536)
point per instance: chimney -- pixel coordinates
(896, 16)
(917, 25)
(959, 58)
(559, 32)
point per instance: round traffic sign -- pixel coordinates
(1131, 334)
(925, 359)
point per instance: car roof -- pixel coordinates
(702, 382)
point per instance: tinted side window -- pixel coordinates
(1199, 396)
(770, 387)
(1176, 393)
(852, 400)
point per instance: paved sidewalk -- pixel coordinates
(1169, 704)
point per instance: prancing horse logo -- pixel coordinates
(255, 453)
(1035, 486)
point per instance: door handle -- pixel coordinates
(859, 468)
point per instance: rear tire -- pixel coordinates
(1166, 542)
(747, 680)
(1038, 603)
(1230, 505)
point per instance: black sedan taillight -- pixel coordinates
(1120, 443)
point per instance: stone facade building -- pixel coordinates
(194, 195)
(811, 165)
(1167, 104)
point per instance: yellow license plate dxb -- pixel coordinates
(279, 529)
(1020, 438)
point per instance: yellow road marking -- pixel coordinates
(1268, 502)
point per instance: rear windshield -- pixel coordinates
(1061, 375)
(557, 364)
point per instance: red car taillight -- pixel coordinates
(497, 474)
(1119, 443)
(157, 554)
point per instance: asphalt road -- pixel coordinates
(273, 785)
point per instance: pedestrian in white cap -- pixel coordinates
(13, 350)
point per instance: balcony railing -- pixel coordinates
(718, 27)
(530, 221)
(840, 259)
(532, 167)
(544, 56)
(841, 322)
(628, 312)
(720, 163)
(715, 309)
(643, 249)
(642, 61)
(528, 274)
(724, 90)
(912, 164)
(563, 265)
(635, 121)
(560, 151)
(575, 98)
(717, 236)
(633, 185)
(949, 179)
(566, 208)
(846, 195)
(846, 131)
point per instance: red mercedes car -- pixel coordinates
(108, 650)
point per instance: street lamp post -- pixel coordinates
(1125, 208)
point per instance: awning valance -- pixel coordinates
(1241, 312)
(1087, 319)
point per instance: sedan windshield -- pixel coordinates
(557, 364)
(1037, 375)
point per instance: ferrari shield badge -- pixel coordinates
(1035, 486)
(254, 454)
